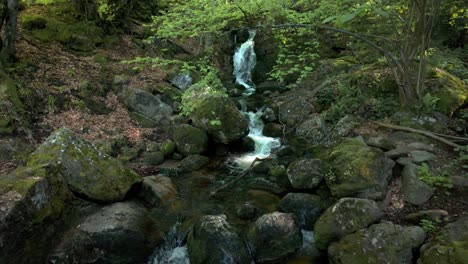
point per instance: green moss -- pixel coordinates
(34, 22)
(451, 91)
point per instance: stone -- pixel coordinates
(182, 81)
(274, 236)
(264, 184)
(157, 190)
(87, 171)
(420, 156)
(305, 173)
(380, 243)
(460, 181)
(343, 218)
(168, 147)
(213, 240)
(358, 170)
(32, 201)
(247, 211)
(431, 215)
(269, 115)
(220, 118)
(193, 163)
(313, 129)
(146, 104)
(381, 143)
(346, 125)
(449, 245)
(118, 233)
(190, 140)
(414, 190)
(153, 158)
(404, 161)
(294, 111)
(273, 130)
(306, 207)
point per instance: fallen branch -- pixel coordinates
(422, 132)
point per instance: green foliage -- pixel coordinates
(430, 226)
(430, 103)
(439, 181)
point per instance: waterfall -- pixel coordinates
(173, 249)
(244, 62)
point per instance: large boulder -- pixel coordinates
(345, 217)
(313, 129)
(32, 201)
(190, 140)
(294, 110)
(87, 171)
(157, 190)
(380, 243)
(146, 104)
(305, 173)
(118, 233)
(358, 170)
(414, 190)
(213, 240)
(218, 116)
(451, 91)
(449, 245)
(274, 236)
(306, 207)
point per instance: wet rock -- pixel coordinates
(118, 233)
(381, 143)
(32, 199)
(432, 215)
(308, 251)
(358, 170)
(220, 118)
(157, 190)
(213, 240)
(380, 243)
(182, 81)
(306, 207)
(273, 130)
(248, 144)
(146, 104)
(414, 190)
(274, 236)
(305, 173)
(345, 217)
(449, 245)
(313, 129)
(193, 163)
(86, 170)
(153, 158)
(190, 140)
(419, 156)
(269, 115)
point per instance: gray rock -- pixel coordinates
(182, 81)
(314, 130)
(193, 163)
(294, 111)
(118, 233)
(346, 125)
(420, 146)
(381, 143)
(213, 240)
(269, 115)
(414, 190)
(380, 243)
(273, 130)
(157, 190)
(460, 181)
(153, 158)
(146, 104)
(345, 217)
(404, 161)
(190, 140)
(264, 184)
(306, 207)
(274, 236)
(305, 173)
(419, 156)
(449, 245)
(432, 215)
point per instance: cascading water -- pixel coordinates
(173, 250)
(244, 63)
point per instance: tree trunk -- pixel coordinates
(8, 24)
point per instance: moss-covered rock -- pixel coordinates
(449, 246)
(345, 217)
(190, 140)
(220, 118)
(31, 200)
(357, 169)
(153, 158)
(380, 243)
(86, 170)
(305, 173)
(213, 240)
(450, 90)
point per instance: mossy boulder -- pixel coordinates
(87, 171)
(190, 140)
(345, 217)
(32, 200)
(305, 173)
(449, 245)
(220, 118)
(380, 243)
(167, 147)
(153, 158)
(449, 89)
(274, 236)
(358, 170)
(213, 240)
(118, 233)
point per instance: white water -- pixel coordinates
(244, 63)
(173, 250)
